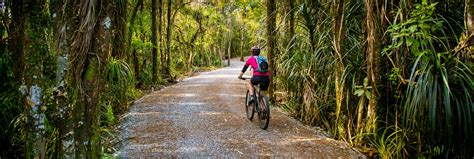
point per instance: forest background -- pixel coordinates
(391, 78)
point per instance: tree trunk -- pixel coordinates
(119, 27)
(469, 21)
(16, 39)
(62, 120)
(132, 23)
(271, 44)
(160, 36)
(95, 85)
(372, 59)
(291, 20)
(168, 40)
(229, 49)
(195, 36)
(136, 66)
(37, 53)
(154, 42)
(84, 75)
(139, 6)
(242, 42)
(337, 28)
(242, 29)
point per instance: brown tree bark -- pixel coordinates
(154, 41)
(271, 44)
(136, 69)
(135, 10)
(338, 34)
(291, 18)
(62, 119)
(119, 27)
(85, 74)
(160, 36)
(37, 52)
(231, 30)
(469, 21)
(168, 40)
(372, 50)
(16, 39)
(338, 29)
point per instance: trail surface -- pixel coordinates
(204, 116)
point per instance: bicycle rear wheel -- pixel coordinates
(263, 112)
(249, 107)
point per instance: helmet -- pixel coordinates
(255, 50)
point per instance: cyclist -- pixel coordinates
(258, 77)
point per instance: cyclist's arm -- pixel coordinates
(246, 66)
(244, 69)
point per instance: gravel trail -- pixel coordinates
(204, 116)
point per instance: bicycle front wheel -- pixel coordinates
(249, 110)
(263, 112)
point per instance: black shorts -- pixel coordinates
(264, 81)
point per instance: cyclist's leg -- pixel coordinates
(255, 80)
(250, 87)
(264, 82)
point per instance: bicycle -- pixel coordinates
(251, 108)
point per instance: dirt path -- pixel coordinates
(203, 116)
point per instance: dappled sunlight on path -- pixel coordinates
(203, 116)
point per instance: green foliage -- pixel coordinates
(390, 143)
(310, 99)
(363, 90)
(120, 80)
(10, 109)
(425, 84)
(438, 100)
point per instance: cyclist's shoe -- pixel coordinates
(251, 99)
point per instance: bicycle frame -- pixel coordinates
(263, 113)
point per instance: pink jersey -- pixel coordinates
(252, 61)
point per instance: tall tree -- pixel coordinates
(242, 30)
(231, 32)
(338, 34)
(136, 67)
(160, 34)
(168, 39)
(35, 65)
(61, 25)
(271, 44)
(291, 18)
(16, 38)
(338, 27)
(85, 75)
(119, 27)
(372, 51)
(469, 21)
(154, 41)
(133, 17)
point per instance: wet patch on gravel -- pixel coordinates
(203, 116)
